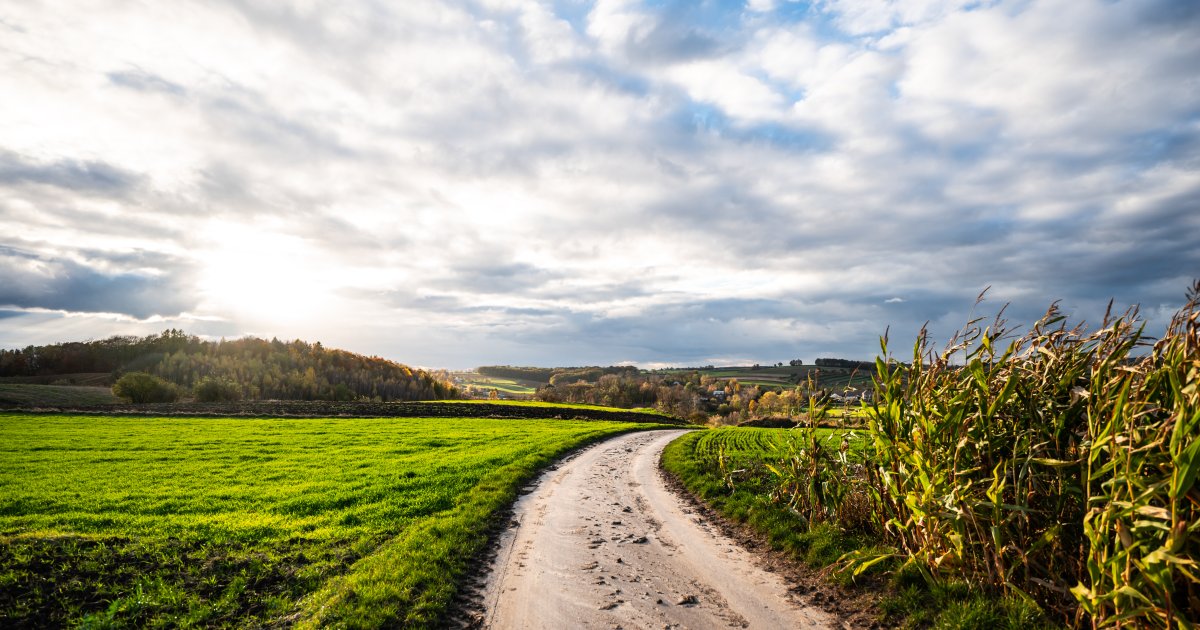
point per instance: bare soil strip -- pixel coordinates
(603, 543)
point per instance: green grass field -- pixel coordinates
(352, 522)
(28, 394)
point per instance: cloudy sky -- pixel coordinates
(571, 182)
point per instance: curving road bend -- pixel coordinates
(603, 543)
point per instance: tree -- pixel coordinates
(140, 387)
(343, 393)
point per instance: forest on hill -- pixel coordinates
(260, 369)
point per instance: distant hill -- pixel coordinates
(264, 370)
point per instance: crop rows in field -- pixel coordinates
(249, 522)
(741, 441)
(749, 445)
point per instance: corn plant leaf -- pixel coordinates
(1153, 512)
(1053, 463)
(863, 566)
(1139, 612)
(1187, 469)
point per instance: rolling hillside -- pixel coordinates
(260, 369)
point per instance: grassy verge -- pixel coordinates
(358, 523)
(729, 470)
(726, 469)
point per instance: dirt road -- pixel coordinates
(602, 543)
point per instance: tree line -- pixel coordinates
(258, 368)
(849, 364)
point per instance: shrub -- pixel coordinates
(217, 389)
(140, 387)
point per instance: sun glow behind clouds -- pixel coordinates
(568, 182)
(262, 276)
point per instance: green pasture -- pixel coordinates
(349, 522)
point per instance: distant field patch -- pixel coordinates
(511, 386)
(29, 394)
(787, 376)
(94, 379)
(551, 405)
(504, 385)
(358, 522)
(768, 384)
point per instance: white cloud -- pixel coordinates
(614, 23)
(447, 183)
(874, 16)
(721, 83)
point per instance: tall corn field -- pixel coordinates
(1058, 465)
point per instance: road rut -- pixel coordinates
(603, 543)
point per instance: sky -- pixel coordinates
(566, 182)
